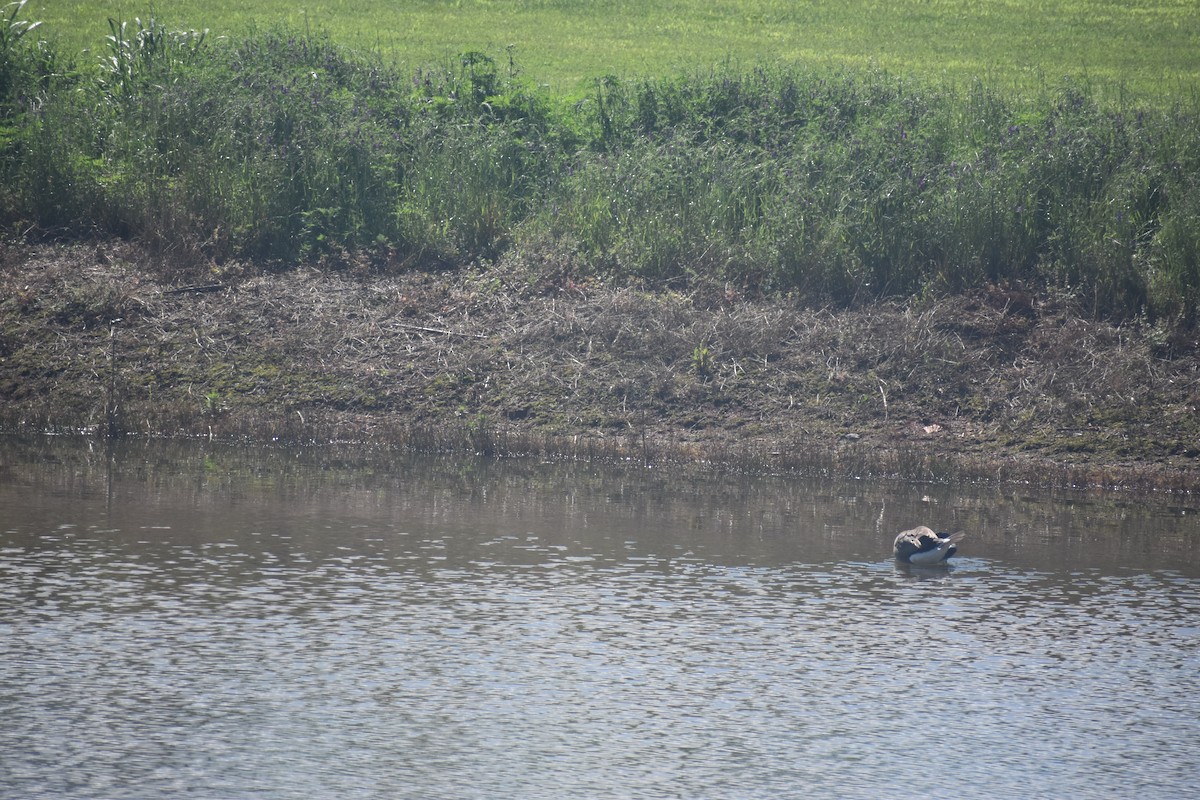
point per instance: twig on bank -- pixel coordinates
(438, 330)
(208, 287)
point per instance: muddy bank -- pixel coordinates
(999, 385)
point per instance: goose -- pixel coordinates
(923, 545)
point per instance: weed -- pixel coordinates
(838, 186)
(212, 403)
(143, 54)
(12, 30)
(702, 362)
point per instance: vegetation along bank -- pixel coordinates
(840, 271)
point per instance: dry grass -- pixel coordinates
(994, 386)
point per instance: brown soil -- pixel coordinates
(998, 385)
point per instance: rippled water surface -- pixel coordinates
(219, 623)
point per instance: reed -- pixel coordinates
(840, 186)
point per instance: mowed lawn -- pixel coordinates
(1148, 48)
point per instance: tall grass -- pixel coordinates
(854, 185)
(837, 185)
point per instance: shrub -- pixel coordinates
(840, 187)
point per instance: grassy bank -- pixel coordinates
(838, 187)
(982, 386)
(831, 269)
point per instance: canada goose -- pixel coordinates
(923, 545)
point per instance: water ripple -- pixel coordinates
(500, 657)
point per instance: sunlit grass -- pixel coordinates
(836, 181)
(1145, 47)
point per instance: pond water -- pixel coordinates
(191, 619)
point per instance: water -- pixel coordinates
(210, 622)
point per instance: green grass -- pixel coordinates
(838, 184)
(1146, 47)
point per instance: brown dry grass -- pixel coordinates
(996, 386)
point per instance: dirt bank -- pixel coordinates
(997, 385)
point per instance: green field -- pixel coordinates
(1150, 48)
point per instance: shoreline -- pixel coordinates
(996, 386)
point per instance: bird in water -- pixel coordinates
(923, 545)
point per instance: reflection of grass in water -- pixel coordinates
(1149, 46)
(1114, 528)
